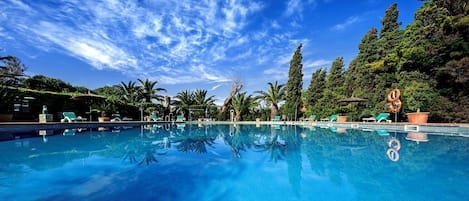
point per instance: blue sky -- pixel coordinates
(186, 44)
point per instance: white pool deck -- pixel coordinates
(453, 129)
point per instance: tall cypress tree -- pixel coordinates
(316, 87)
(369, 47)
(294, 85)
(389, 21)
(360, 77)
(390, 36)
(336, 76)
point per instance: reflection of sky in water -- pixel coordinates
(227, 163)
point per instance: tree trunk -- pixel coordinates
(238, 116)
(236, 88)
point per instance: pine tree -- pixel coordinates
(294, 85)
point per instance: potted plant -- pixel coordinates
(104, 109)
(418, 96)
(343, 111)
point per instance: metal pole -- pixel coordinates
(141, 111)
(90, 112)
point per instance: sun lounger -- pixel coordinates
(116, 117)
(276, 118)
(127, 119)
(379, 118)
(71, 117)
(153, 117)
(330, 118)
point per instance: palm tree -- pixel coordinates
(273, 97)
(184, 100)
(241, 104)
(202, 102)
(149, 91)
(200, 97)
(132, 93)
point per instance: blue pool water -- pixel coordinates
(226, 162)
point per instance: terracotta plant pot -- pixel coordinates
(6, 117)
(417, 117)
(342, 119)
(103, 119)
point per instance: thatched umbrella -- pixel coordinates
(89, 98)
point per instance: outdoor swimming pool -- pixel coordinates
(226, 162)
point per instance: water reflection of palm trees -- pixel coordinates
(195, 144)
(238, 140)
(143, 150)
(275, 146)
(149, 157)
(131, 156)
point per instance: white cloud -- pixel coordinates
(316, 63)
(275, 24)
(169, 41)
(98, 52)
(277, 73)
(293, 6)
(216, 87)
(20, 5)
(136, 38)
(208, 74)
(350, 21)
(296, 7)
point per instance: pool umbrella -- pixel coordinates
(89, 98)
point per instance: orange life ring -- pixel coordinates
(397, 146)
(393, 155)
(394, 95)
(395, 106)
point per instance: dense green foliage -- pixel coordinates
(41, 82)
(428, 61)
(11, 70)
(294, 85)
